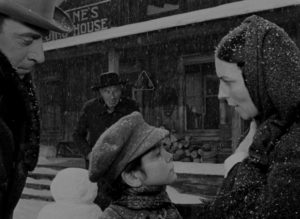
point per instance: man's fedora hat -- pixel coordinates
(39, 13)
(108, 79)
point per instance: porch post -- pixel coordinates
(113, 60)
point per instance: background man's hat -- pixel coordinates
(39, 13)
(108, 79)
(124, 141)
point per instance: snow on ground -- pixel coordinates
(38, 192)
(28, 209)
(180, 167)
(58, 160)
(43, 170)
(199, 168)
(38, 181)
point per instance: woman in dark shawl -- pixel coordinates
(259, 70)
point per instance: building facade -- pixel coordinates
(165, 51)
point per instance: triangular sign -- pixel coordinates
(143, 82)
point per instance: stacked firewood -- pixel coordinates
(184, 150)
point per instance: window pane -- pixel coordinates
(194, 118)
(208, 68)
(202, 104)
(211, 119)
(194, 97)
(212, 86)
(192, 68)
(212, 108)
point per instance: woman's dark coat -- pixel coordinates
(19, 135)
(267, 183)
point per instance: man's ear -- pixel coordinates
(133, 178)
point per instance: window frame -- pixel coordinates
(203, 134)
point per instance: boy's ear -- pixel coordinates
(133, 178)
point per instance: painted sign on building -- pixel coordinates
(86, 19)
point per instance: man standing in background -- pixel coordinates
(100, 113)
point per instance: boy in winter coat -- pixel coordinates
(130, 158)
(74, 195)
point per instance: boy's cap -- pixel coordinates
(127, 139)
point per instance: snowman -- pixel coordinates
(74, 195)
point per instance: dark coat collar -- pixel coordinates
(5, 66)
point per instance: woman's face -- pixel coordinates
(233, 89)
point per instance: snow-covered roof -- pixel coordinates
(222, 11)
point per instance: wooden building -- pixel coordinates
(170, 42)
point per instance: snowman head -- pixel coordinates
(72, 185)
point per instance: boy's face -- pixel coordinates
(158, 167)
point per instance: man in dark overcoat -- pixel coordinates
(100, 113)
(23, 23)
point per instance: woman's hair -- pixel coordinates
(231, 47)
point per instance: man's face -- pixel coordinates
(22, 45)
(111, 95)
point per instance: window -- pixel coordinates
(201, 102)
